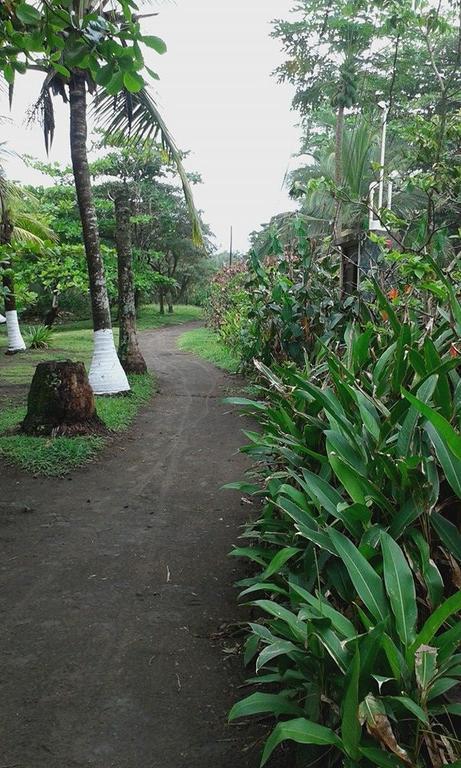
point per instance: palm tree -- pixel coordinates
(18, 226)
(75, 74)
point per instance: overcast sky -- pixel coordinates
(219, 100)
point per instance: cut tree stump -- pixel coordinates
(61, 401)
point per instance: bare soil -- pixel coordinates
(116, 591)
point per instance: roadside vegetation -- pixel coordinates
(207, 344)
(348, 314)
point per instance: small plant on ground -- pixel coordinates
(39, 337)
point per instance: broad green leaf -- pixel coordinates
(331, 643)
(409, 512)
(395, 659)
(449, 463)
(380, 369)
(408, 427)
(251, 648)
(326, 497)
(263, 586)
(345, 450)
(279, 648)
(410, 705)
(274, 609)
(428, 568)
(278, 561)
(448, 642)
(133, 82)
(348, 477)
(340, 622)
(250, 553)
(442, 685)
(443, 427)
(154, 42)
(8, 73)
(448, 533)
(300, 731)
(27, 13)
(370, 420)
(378, 757)
(259, 703)
(451, 606)
(252, 405)
(298, 497)
(364, 578)
(370, 646)
(249, 488)
(298, 514)
(321, 492)
(350, 726)
(401, 363)
(400, 589)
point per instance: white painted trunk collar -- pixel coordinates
(106, 376)
(15, 340)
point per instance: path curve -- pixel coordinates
(115, 588)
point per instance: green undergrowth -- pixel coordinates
(206, 344)
(60, 455)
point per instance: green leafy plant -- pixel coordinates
(40, 337)
(356, 551)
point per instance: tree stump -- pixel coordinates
(61, 401)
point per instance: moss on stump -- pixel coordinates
(61, 401)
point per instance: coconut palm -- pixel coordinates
(20, 223)
(90, 48)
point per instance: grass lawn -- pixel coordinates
(206, 344)
(72, 341)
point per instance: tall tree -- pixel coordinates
(20, 224)
(89, 44)
(129, 352)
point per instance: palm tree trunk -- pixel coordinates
(106, 374)
(348, 274)
(15, 340)
(128, 348)
(339, 165)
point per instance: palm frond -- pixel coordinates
(136, 115)
(31, 227)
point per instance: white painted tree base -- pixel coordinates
(106, 375)
(15, 340)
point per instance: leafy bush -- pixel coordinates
(356, 550)
(40, 337)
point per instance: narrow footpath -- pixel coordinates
(116, 590)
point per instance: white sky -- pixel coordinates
(219, 100)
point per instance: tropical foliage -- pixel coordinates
(354, 544)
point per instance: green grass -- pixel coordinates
(51, 456)
(206, 344)
(72, 341)
(59, 455)
(119, 411)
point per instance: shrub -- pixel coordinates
(40, 337)
(356, 550)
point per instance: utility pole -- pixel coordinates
(230, 248)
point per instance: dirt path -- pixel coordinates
(113, 589)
